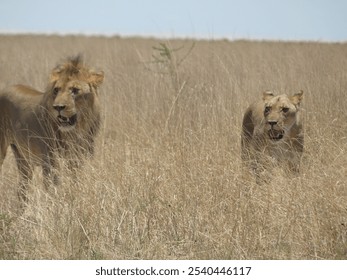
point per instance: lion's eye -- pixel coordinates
(267, 109)
(56, 90)
(75, 90)
(285, 109)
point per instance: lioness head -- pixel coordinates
(280, 113)
(72, 93)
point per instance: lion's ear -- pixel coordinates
(267, 95)
(96, 78)
(296, 98)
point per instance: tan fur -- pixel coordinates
(62, 120)
(272, 132)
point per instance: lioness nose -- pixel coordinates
(59, 107)
(272, 123)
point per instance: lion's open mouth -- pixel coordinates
(275, 135)
(67, 122)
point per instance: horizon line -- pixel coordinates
(209, 37)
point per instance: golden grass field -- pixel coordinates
(166, 180)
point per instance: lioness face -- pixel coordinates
(280, 114)
(73, 94)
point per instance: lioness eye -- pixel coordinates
(285, 109)
(75, 90)
(267, 109)
(56, 90)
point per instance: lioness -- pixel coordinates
(62, 120)
(272, 132)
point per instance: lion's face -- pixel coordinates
(69, 100)
(280, 114)
(73, 94)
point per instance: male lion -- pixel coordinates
(272, 132)
(62, 120)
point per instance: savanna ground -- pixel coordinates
(166, 181)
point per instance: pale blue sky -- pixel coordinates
(323, 20)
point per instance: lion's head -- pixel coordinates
(280, 113)
(72, 97)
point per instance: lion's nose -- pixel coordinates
(272, 123)
(59, 108)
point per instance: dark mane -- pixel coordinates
(73, 65)
(70, 67)
(76, 60)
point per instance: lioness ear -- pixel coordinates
(267, 95)
(297, 97)
(96, 78)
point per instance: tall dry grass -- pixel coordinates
(166, 179)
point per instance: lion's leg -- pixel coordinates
(74, 166)
(247, 157)
(294, 168)
(260, 164)
(298, 148)
(294, 155)
(49, 170)
(294, 163)
(250, 164)
(25, 172)
(3, 149)
(89, 151)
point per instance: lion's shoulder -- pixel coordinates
(20, 97)
(256, 110)
(21, 91)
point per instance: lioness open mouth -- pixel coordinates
(67, 122)
(275, 135)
